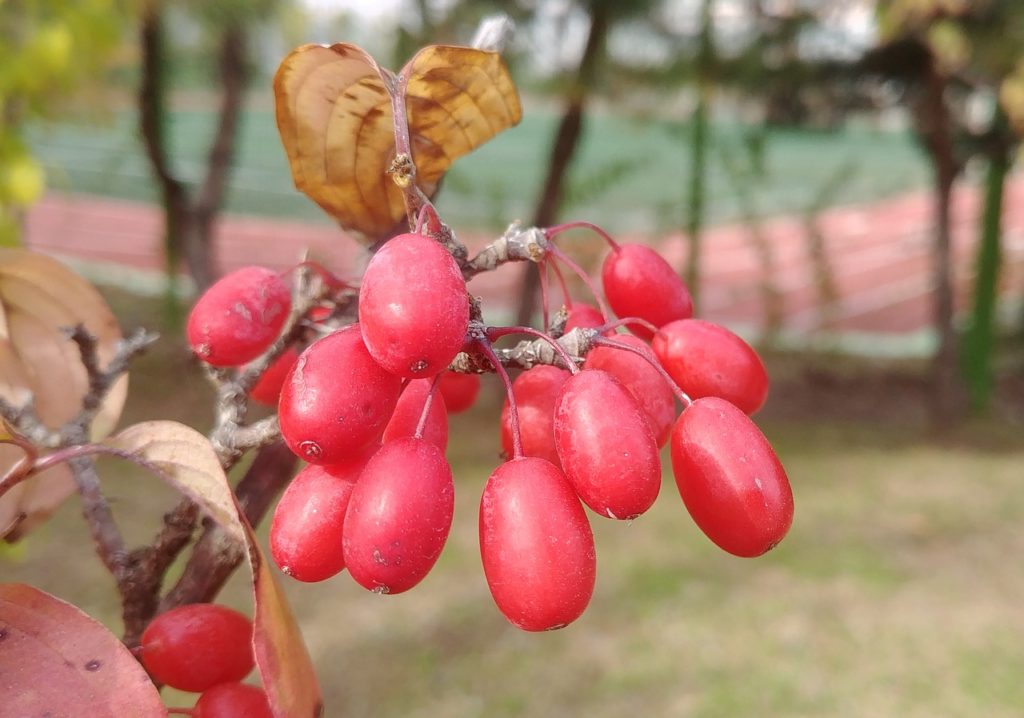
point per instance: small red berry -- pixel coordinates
(459, 390)
(583, 315)
(336, 400)
(638, 282)
(413, 307)
(706, 359)
(399, 516)
(238, 317)
(536, 545)
(195, 647)
(535, 391)
(233, 700)
(409, 410)
(730, 479)
(268, 388)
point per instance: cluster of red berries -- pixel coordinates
(377, 496)
(207, 649)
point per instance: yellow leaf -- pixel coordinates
(334, 113)
(39, 299)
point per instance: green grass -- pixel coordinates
(630, 175)
(897, 592)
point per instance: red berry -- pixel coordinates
(583, 315)
(198, 646)
(233, 700)
(459, 390)
(409, 410)
(638, 282)
(305, 535)
(644, 383)
(268, 388)
(606, 446)
(535, 391)
(706, 359)
(413, 307)
(399, 516)
(237, 318)
(730, 479)
(336, 400)
(536, 545)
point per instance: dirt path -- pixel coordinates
(878, 254)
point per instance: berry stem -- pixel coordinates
(513, 409)
(542, 268)
(652, 360)
(627, 321)
(552, 232)
(421, 424)
(566, 296)
(329, 278)
(499, 332)
(564, 259)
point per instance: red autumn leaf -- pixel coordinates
(57, 661)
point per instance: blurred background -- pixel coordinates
(834, 179)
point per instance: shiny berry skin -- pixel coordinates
(730, 479)
(638, 282)
(195, 647)
(413, 307)
(706, 359)
(535, 391)
(536, 545)
(399, 516)
(268, 389)
(409, 410)
(336, 400)
(583, 315)
(233, 700)
(606, 446)
(459, 390)
(305, 535)
(236, 319)
(644, 383)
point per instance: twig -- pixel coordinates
(515, 245)
(527, 354)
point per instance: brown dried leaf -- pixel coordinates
(335, 118)
(56, 661)
(185, 458)
(39, 299)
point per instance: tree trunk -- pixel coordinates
(936, 126)
(699, 131)
(979, 340)
(563, 150)
(189, 217)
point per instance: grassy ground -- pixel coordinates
(897, 593)
(630, 174)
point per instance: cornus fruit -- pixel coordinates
(409, 410)
(644, 383)
(535, 391)
(536, 545)
(583, 315)
(459, 390)
(730, 479)
(268, 389)
(233, 700)
(336, 400)
(399, 516)
(195, 647)
(606, 446)
(237, 318)
(306, 533)
(638, 282)
(706, 359)
(413, 307)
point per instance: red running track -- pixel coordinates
(878, 254)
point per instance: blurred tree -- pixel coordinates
(190, 211)
(946, 51)
(52, 52)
